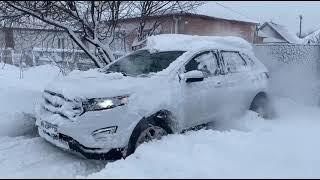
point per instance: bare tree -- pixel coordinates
(90, 23)
(146, 9)
(95, 20)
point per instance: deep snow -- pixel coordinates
(286, 147)
(248, 147)
(18, 97)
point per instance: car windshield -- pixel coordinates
(143, 62)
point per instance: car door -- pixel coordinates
(235, 83)
(201, 98)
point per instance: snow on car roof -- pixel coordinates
(171, 42)
(193, 44)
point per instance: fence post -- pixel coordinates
(33, 58)
(21, 66)
(2, 60)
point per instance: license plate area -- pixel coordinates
(49, 127)
(51, 134)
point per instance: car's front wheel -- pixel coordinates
(146, 130)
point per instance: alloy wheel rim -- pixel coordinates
(152, 132)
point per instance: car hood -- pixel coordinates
(94, 84)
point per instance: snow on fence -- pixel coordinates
(66, 58)
(295, 70)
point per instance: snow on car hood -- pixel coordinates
(95, 84)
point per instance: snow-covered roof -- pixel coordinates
(283, 32)
(207, 10)
(312, 37)
(167, 42)
(217, 10)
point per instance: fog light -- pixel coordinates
(104, 132)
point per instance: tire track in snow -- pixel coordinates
(24, 157)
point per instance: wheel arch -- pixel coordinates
(162, 118)
(258, 95)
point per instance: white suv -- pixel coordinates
(175, 83)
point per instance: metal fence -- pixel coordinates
(67, 58)
(295, 70)
(275, 56)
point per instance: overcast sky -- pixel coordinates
(281, 12)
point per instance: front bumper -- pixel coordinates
(82, 128)
(69, 144)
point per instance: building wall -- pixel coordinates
(22, 39)
(131, 29)
(193, 26)
(258, 40)
(25, 39)
(216, 27)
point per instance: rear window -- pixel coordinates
(233, 61)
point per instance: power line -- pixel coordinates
(234, 11)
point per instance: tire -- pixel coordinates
(261, 104)
(150, 125)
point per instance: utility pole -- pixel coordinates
(300, 17)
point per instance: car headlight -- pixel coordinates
(96, 104)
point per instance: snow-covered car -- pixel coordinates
(173, 84)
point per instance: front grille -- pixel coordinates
(57, 104)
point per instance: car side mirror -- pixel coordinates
(192, 76)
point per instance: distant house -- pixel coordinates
(19, 38)
(270, 32)
(37, 46)
(189, 23)
(313, 38)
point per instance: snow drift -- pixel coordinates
(249, 148)
(18, 97)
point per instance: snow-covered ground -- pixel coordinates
(249, 147)
(19, 96)
(286, 147)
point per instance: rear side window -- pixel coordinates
(233, 61)
(205, 62)
(248, 59)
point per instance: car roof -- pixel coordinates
(175, 42)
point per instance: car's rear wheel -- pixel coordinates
(146, 131)
(262, 106)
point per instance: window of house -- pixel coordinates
(61, 43)
(233, 61)
(9, 38)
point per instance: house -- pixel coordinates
(312, 38)
(190, 24)
(20, 38)
(270, 32)
(215, 22)
(34, 45)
